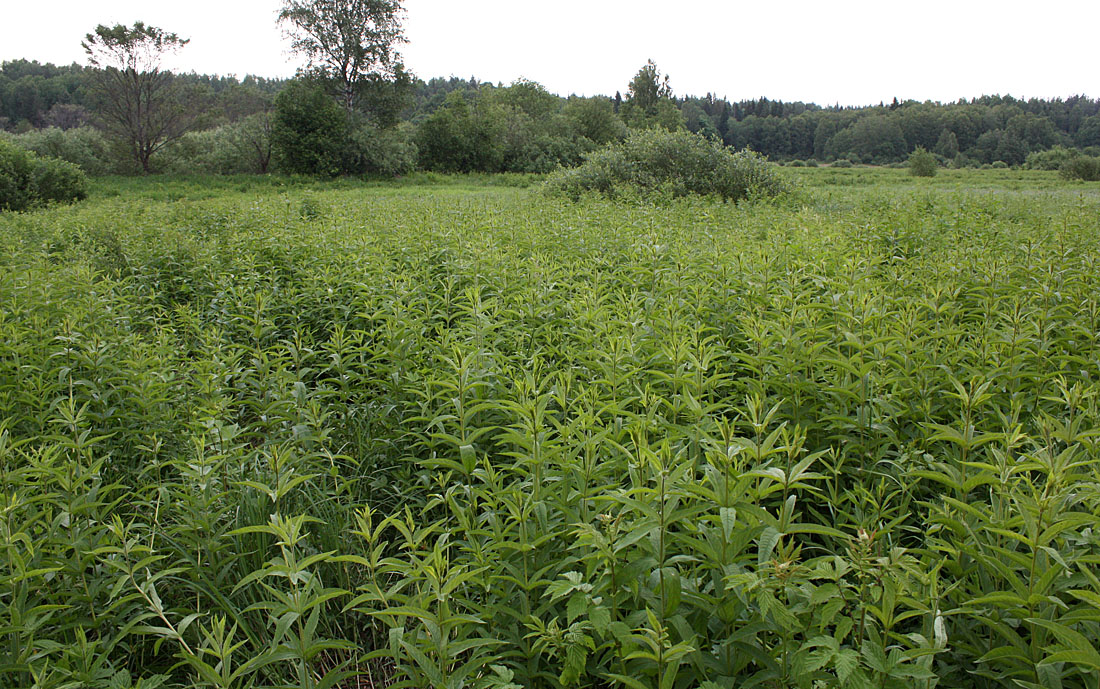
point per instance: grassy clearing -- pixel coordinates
(274, 436)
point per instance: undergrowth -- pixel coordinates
(339, 438)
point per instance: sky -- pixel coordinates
(848, 52)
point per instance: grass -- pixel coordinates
(260, 432)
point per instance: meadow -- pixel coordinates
(450, 432)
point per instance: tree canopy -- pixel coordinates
(353, 42)
(138, 102)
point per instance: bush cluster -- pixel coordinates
(28, 181)
(85, 147)
(1086, 168)
(1051, 159)
(922, 163)
(312, 135)
(669, 163)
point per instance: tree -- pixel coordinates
(139, 103)
(309, 131)
(251, 138)
(947, 145)
(461, 136)
(648, 87)
(922, 163)
(595, 120)
(649, 101)
(352, 42)
(1088, 134)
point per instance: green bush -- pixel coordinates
(461, 136)
(797, 163)
(1051, 159)
(1086, 168)
(842, 162)
(309, 131)
(922, 163)
(243, 147)
(384, 152)
(27, 181)
(811, 162)
(673, 163)
(85, 147)
(999, 165)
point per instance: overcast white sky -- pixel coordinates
(853, 52)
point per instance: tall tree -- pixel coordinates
(648, 87)
(138, 101)
(353, 42)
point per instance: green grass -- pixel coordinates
(453, 433)
(202, 187)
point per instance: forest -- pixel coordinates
(466, 125)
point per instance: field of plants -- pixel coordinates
(457, 434)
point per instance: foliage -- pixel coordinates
(34, 95)
(922, 163)
(1086, 168)
(309, 130)
(1088, 133)
(649, 101)
(352, 42)
(461, 136)
(380, 152)
(28, 181)
(142, 106)
(1052, 159)
(947, 145)
(876, 139)
(85, 147)
(244, 147)
(648, 88)
(673, 163)
(322, 435)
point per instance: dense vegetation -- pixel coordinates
(260, 435)
(467, 125)
(656, 163)
(27, 181)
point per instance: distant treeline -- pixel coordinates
(455, 124)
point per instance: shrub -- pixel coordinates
(85, 147)
(461, 136)
(797, 163)
(374, 151)
(842, 162)
(309, 130)
(922, 163)
(243, 147)
(1086, 168)
(672, 163)
(27, 181)
(811, 162)
(1051, 159)
(999, 165)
